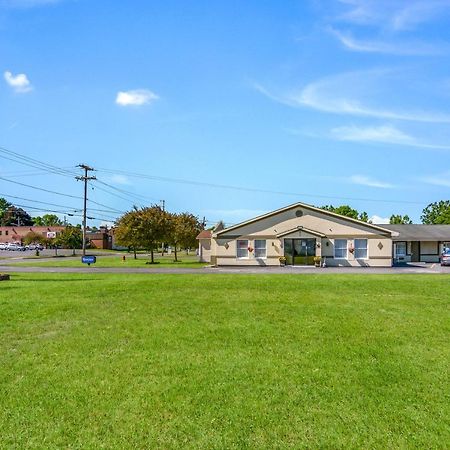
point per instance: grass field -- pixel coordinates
(185, 261)
(222, 361)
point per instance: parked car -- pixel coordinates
(2, 246)
(15, 247)
(34, 247)
(445, 257)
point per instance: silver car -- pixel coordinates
(445, 257)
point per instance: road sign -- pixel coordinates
(89, 259)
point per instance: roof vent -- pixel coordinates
(299, 213)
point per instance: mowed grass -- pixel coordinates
(223, 361)
(143, 261)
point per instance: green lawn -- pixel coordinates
(223, 361)
(115, 261)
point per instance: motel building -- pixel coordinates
(301, 234)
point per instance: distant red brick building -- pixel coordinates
(17, 234)
(100, 239)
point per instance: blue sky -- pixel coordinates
(320, 101)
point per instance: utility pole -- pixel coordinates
(85, 178)
(163, 205)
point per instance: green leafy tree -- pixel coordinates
(14, 216)
(364, 217)
(70, 237)
(47, 220)
(154, 227)
(436, 213)
(398, 219)
(127, 231)
(34, 238)
(4, 206)
(347, 211)
(183, 229)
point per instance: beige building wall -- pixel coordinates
(379, 252)
(204, 250)
(224, 246)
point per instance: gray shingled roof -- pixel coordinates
(416, 232)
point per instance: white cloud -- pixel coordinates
(137, 97)
(377, 220)
(385, 134)
(442, 179)
(356, 93)
(338, 94)
(20, 82)
(368, 181)
(120, 179)
(107, 224)
(377, 46)
(397, 15)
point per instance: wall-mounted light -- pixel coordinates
(226, 245)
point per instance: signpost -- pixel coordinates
(88, 259)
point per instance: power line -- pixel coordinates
(57, 193)
(46, 167)
(31, 162)
(250, 189)
(113, 194)
(108, 219)
(123, 191)
(27, 173)
(56, 204)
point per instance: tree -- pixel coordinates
(70, 237)
(436, 213)
(364, 217)
(34, 238)
(183, 229)
(4, 205)
(347, 211)
(153, 228)
(399, 219)
(127, 231)
(13, 216)
(47, 220)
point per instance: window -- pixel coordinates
(400, 249)
(340, 248)
(260, 248)
(361, 248)
(242, 249)
(1, 232)
(6, 233)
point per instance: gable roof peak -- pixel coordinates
(306, 206)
